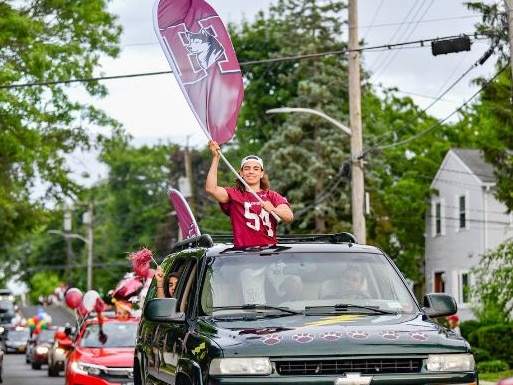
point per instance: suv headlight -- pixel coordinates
(450, 362)
(250, 366)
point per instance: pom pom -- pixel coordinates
(99, 305)
(141, 261)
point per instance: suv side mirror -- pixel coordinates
(163, 309)
(439, 305)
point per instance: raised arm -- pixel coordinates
(217, 192)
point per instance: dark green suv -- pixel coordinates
(311, 310)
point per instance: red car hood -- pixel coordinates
(114, 357)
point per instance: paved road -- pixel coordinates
(17, 372)
(60, 315)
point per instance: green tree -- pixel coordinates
(492, 114)
(493, 285)
(42, 43)
(42, 284)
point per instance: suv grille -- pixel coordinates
(368, 366)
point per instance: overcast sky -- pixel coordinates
(152, 108)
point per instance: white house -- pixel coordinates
(464, 221)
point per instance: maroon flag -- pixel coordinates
(183, 212)
(201, 55)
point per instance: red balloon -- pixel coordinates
(81, 309)
(73, 298)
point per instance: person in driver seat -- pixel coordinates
(351, 285)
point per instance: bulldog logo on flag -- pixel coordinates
(201, 55)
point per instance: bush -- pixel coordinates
(497, 339)
(482, 355)
(492, 366)
(469, 327)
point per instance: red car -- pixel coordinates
(103, 353)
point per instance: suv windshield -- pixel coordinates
(302, 281)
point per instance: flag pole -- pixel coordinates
(248, 187)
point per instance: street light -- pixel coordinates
(357, 188)
(288, 110)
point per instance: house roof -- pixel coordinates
(474, 160)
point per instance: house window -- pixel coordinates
(439, 282)
(438, 218)
(462, 212)
(464, 288)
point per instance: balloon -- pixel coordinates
(60, 335)
(81, 309)
(89, 299)
(35, 319)
(73, 298)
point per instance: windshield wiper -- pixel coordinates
(254, 306)
(345, 308)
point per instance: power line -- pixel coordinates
(421, 43)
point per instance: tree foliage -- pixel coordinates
(492, 115)
(42, 43)
(493, 288)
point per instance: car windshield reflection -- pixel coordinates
(303, 281)
(109, 335)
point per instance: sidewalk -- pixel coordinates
(486, 383)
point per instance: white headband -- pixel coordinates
(252, 158)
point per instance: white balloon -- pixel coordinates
(89, 299)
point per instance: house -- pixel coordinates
(464, 221)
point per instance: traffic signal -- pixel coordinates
(445, 46)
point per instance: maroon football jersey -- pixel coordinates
(252, 226)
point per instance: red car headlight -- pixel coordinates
(85, 368)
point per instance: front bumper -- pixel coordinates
(79, 378)
(468, 378)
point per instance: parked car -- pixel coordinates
(59, 351)
(291, 314)
(103, 353)
(41, 346)
(506, 381)
(7, 310)
(14, 339)
(1, 366)
(7, 306)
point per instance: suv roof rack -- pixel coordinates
(203, 240)
(343, 237)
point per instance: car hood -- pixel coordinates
(333, 334)
(114, 357)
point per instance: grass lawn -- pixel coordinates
(494, 377)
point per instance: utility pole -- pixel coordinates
(69, 250)
(190, 179)
(355, 122)
(509, 10)
(88, 220)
